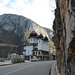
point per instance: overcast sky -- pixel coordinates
(40, 11)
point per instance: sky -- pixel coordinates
(40, 11)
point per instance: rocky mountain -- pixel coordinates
(13, 27)
(64, 36)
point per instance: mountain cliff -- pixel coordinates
(13, 27)
(64, 36)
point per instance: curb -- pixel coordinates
(50, 71)
(5, 64)
(54, 70)
(57, 70)
(11, 64)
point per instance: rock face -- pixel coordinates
(13, 28)
(64, 36)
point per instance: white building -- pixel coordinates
(38, 48)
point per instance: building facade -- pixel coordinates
(38, 48)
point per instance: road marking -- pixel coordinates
(17, 70)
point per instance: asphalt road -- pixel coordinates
(30, 68)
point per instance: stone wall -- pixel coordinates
(15, 58)
(64, 36)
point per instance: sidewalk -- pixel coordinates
(54, 70)
(8, 62)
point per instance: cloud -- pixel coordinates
(39, 11)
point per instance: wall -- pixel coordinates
(15, 58)
(33, 40)
(43, 45)
(28, 49)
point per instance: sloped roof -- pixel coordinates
(40, 36)
(33, 34)
(45, 38)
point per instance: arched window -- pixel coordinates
(33, 53)
(39, 53)
(36, 53)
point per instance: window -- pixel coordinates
(33, 53)
(34, 39)
(36, 53)
(28, 51)
(39, 41)
(39, 53)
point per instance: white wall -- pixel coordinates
(46, 46)
(33, 40)
(28, 49)
(43, 45)
(40, 44)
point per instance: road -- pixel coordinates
(30, 68)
